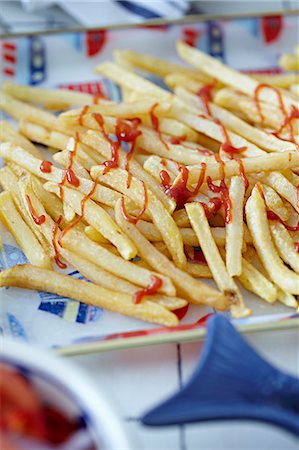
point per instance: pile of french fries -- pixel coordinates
(209, 188)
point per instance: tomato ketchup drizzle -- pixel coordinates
(271, 215)
(46, 167)
(127, 131)
(151, 289)
(59, 263)
(257, 90)
(296, 244)
(134, 220)
(39, 220)
(156, 124)
(179, 191)
(205, 95)
(81, 215)
(113, 163)
(222, 190)
(243, 174)
(69, 175)
(294, 114)
(177, 140)
(82, 114)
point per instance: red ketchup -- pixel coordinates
(257, 100)
(294, 114)
(149, 290)
(59, 263)
(80, 217)
(69, 174)
(223, 191)
(243, 174)
(113, 163)
(39, 220)
(134, 220)
(296, 244)
(205, 95)
(180, 192)
(273, 216)
(127, 131)
(82, 114)
(46, 167)
(156, 124)
(177, 140)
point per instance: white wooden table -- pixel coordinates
(136, 380)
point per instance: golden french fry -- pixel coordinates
(9, 182)
(282, 80)
(64, 97)
(258, 225)
(127, 79)
(253, 280)
(195, 291)
(234, 229)
(270, 163)
(224, 282)
(30, 277)
(22, 234)
(9, 134)
(155, 65)
(285, 245)
(125, 110)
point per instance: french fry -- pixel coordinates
(234, 229)
(64, 97)
(125, 110)
(285, 245)
(161, 218)
(9, 134)
(20, 110)
(275, 203)
(282, 186)
(155, 65)
(258, 225)
(30, 277)
(216, 69)
(95, 235)
(130, 80)
(269, 162)
(195, 291)
(224, 282)
(9, 182)
(22, 234)
(277, 79)
(287, 299)
(253, 280)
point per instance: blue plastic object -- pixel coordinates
(231, 381)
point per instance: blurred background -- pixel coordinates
(35, 15)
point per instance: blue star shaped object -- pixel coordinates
(231, 382)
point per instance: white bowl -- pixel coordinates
(70, 390)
